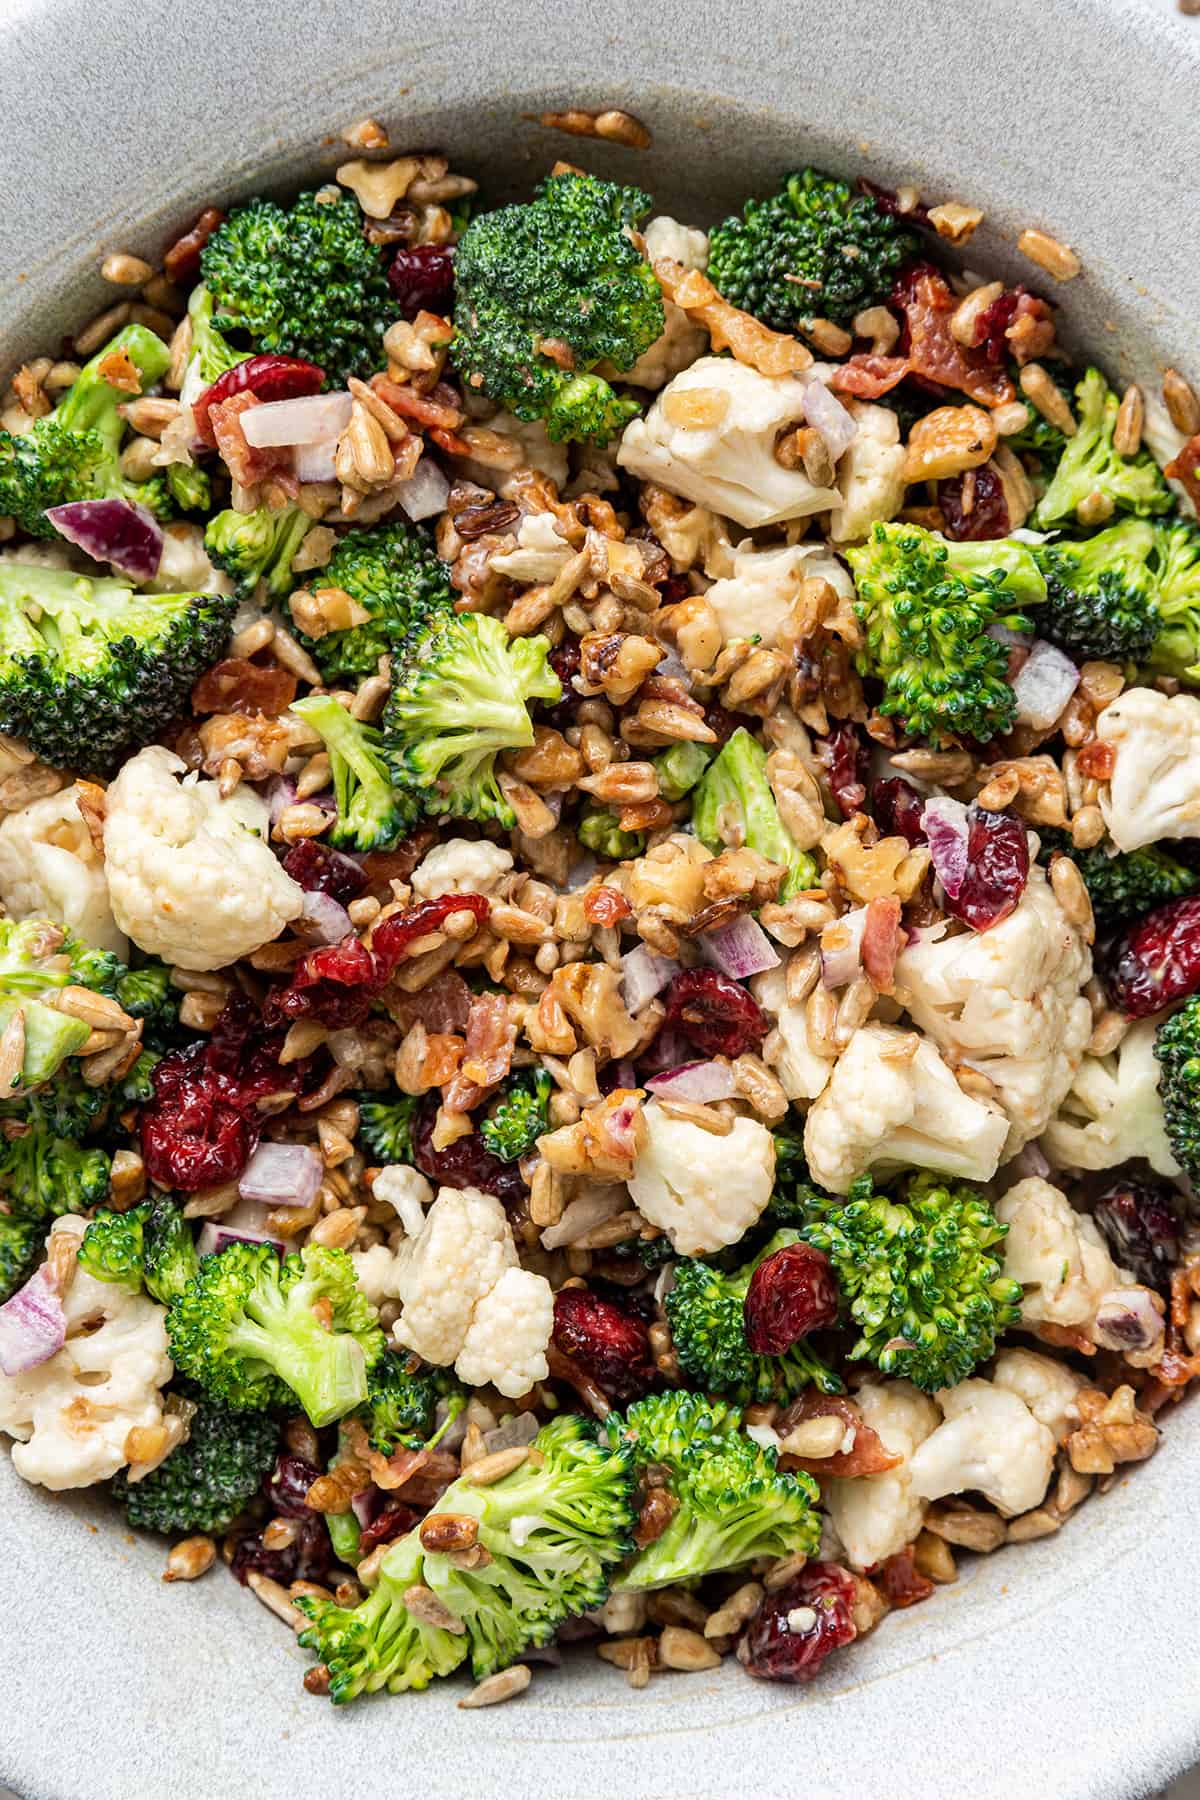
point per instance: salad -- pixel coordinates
(600, 956)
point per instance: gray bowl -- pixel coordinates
(1070, 1667)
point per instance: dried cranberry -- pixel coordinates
(319, 870)
(992, 323)
(898, 807)
(1140, 1221)
(606, 1340)
(889, 202)
(1156, 961)
(181, 262)
(286, 1487)
(791, 1293)
(997, 870)
(716, 1014)
(422, 279)
(564, 659)
(988, 517)
(309, 1556)
(467, 1162)
(392, 938)
(674, 588)
(392, 1520)
(798, 1626)
(268, 377)
(237, 685)
(844, 756)
(901, 1581)
(725, 723)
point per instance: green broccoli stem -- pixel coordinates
(91, 402)
(733, 805)
(325, 1369)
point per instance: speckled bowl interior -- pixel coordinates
(1070, 1667)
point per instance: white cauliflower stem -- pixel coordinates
(1113, 1111)
(989, 1442)
(50, 868)
(756, 600)
(892, 1103)
(870, 475)
(729, 464)
(801, 1072)
(876, 1515)
(190, 875)
(703, 1191)
(682, 341)
(1007, 1002)
(1154, 789)
(1049, 1389)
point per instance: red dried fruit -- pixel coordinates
(1140, 1221)
(382, 867)
(286, 1487)
(889, 202)
(716, 1014)
(901, 1581)
(844, 756)
(266, 377)
(422, 279)
(393, 1520)
(1156, 961)
(988, 513)
(997, 870)
(674, 588)
(1096, 760)
(319, 870)
(392, 938)
(237, 685)
(467, 1162)
(606, 1340)
(797, 1627)
(897, 807)
(791, 1293)
(867, 1454)
(606, 906)
(882, 940)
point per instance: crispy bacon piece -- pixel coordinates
(867, 377)
(236, 685)
(246, 465)
(487, 1057)
(182, 261)
(1185, 468)
(901, 1581)
(881, 941)
(866, 1456)
(923, 298)
(438, 409)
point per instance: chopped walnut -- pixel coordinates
(1112, 1431)
(870, 870)
(605, 1141)
(752, 343)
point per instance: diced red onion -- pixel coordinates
(1127, 1319)
(582, 872)
(841, 948)
(581, 1215)
(1029, 1160)
(282, 1175)
(697, 1081)
(366, 1505)
(643, 975)
(314, 462)
(1044, 684)
(33, 1326)
(327, 916)
(826, 414)
(311, 419)
(739, 949)
(669, 1048)
(1004, 634)
(623, 1074)
(246, 1224)
(280, 795)
(944, 822)
(112, 531)
(425, 492)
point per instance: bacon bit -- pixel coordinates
(867, 1456)
(236, 685)
(1185, 468)
(564, 1368)
(382, 867)
(448, 441)
(606, 906)
(1096, 760)
(558, 350)
(443, 1058)
(867, 377)
(881, 940)
(443, 1006)
(922, 296)
(1064, 1337)
(182, 261)
(752, 343)
(436, 409)
(901, 1581)
(119, 371)
(487, 1054)
(246, 465)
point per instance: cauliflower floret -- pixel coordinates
(989, 1442)
(190, 875)
(876, 1515)
(72, 1414)
(891, 1103)
(802, 1074)
(1113, 1111)
(184, 567)
(1007, 1002)
(508, 1334)
(729, 466)
(682, 341)
(400, 1186)
(1048, 1388)
(703, 1191)
(870, 475)
(756, 600)
(540, 553)
(50, 867)
(378, 1272)
(461, 866)
(1154, 789)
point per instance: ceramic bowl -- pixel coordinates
(1070, 1667)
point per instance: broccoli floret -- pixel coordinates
(74, 452)
(915, 1272)
(21, 1243)
(552, 1528)
(113, 1245)
(189, 487)
(558, 274)
(394, 575)
(37, 958)
(149, 994)
(43, 1176)
(385, 1127)
(733, 1503)
(151, 1246)
(402, 1399)
(733, 804)
(89, 667)
(1177, 1047)
(1176, 650)
(680, 768)
(794, 1192)
(372, 814)
(1100, 594)
(245, 1328)
(600, 832)
(302, 280)
(926, 606)
(705, 1308)
(207, 1481)
(520, 1115)
(212, 354)
(256, 547)
(462, 696)
(816, 249)
(1089, 464)
(1124, 886)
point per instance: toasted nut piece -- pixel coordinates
(442, 1531)
(1048, 253)
(424, 1604)
(967, 1526)
(955, 222)
(1181, 403)
(505, 1684)
(679, 1648)
(1041, 1522)
(495, 1467)
(1047, 397)
(733, 1613)
(879, 325)
(124, 270)
(947, 441)
(1131, 416)
(933, 1557)
(190, 1559)
(276, 1599)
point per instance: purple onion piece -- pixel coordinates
(112, 531)
(644, 974)
(33, 1326)
(696, 1081)
(327, 916)
(282, 1175)
(1043, 685)
(739, 949)
(944, 823)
